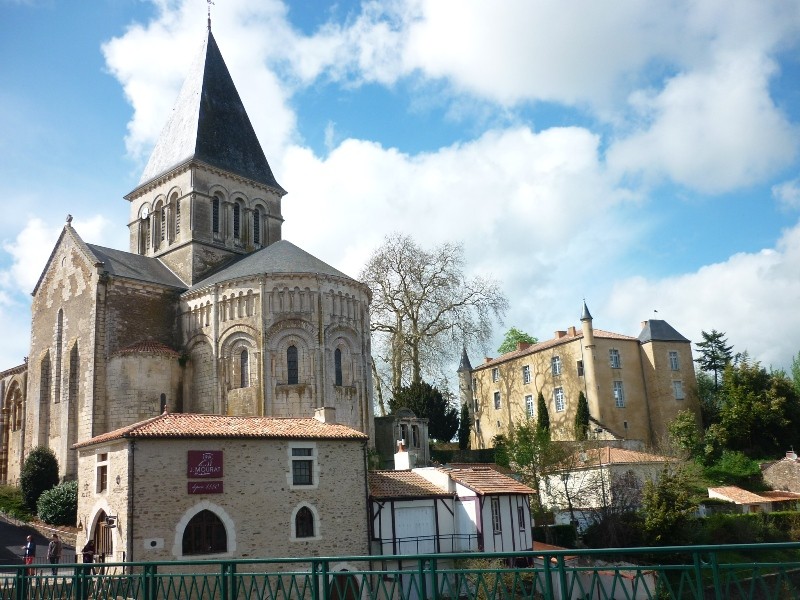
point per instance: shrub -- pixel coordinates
(11, 503)
(59, 506)
(39, 474)
(735, 468)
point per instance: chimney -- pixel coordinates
(487, 359)
(560, 334)
(402, 459)
(523, 346)
(791, 454)
(325, 414)
(572, 331)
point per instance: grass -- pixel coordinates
(11, 503)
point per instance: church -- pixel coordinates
(209, 311)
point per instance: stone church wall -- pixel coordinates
(140, 385)
(137, 312)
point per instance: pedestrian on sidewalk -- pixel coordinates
(54, 552)
(29, 552)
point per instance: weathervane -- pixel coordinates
(209, 13)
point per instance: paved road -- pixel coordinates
(12, 538)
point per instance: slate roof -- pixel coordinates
(279, 257)
(465, 364)
(598, 333)
(135, 266)
(210, 124)
(485, 481)
(195, 426)
(658, 330)
(385, 485)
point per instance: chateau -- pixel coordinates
(209, 311)
(634, 386)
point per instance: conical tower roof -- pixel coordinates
(209, 124)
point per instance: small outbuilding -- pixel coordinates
(189, 486)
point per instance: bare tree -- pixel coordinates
(424, 309)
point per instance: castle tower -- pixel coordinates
(465, 391)
(207, 193)
(589, 366)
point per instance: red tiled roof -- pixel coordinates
(402, 484)
(485, 481)
(148, 347)
(611, 456)
(598, 333)
(496, 467)
(188, 426)
(741, 496)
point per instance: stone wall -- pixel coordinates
(257, 505)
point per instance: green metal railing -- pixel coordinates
(753, 571)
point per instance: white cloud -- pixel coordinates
(714, 131)
(751, 296)
(787, 194)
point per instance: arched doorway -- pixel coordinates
(103, 539)
(343, 586)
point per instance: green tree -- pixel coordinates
(500, 445)
(59, 505)
(427, 402)
(667, 508)
(708, 395)
(715, 353)
(464, 428)
(582, 418)
(734, 468)
(542, 416)
(796, 372)
(531, 453)
(685, 435)
(513, 337)
(39, 474)
(760, 410)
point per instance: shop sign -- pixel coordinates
(204, 487)
(204, 464)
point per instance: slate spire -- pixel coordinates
(209, 124)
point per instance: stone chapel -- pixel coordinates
(209, 311)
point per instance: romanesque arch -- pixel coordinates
(202, 395)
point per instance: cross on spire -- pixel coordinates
(209, 13)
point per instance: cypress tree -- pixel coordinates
(582, 418)
(543, 417)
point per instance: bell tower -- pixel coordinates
(207, 194)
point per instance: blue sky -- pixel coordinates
(640, 155)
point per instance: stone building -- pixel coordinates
(209, 311)
(187, 486)
(635, 386)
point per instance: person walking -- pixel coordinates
(54, 552)
(29, 553)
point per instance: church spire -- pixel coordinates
(209, 124)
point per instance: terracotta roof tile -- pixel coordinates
(598, 333)
(742, 496)
(496, 467)
(485, 481)
(188, 426)
(148, 347)
(611, 456)
(402, 484)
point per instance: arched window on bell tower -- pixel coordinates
(257, 226)
(237, 220)
(291, 366)
(244, 370)
(215, 215)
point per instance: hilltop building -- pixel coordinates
(208, 311)
(635, 386)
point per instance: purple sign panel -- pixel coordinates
(204, 487)
(204, 464)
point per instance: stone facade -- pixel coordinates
(209, 311)
(629, 383)
(257, 503)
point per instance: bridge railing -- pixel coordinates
(755, 572)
